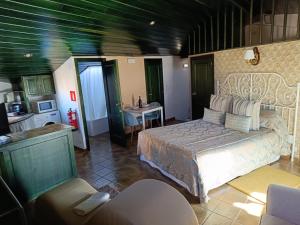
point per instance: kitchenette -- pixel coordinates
(30, 102)
(36, 150)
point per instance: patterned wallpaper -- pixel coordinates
(282, 58)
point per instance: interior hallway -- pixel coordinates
(110, 164)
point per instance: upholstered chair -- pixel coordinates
(145, 202)
(283, 206)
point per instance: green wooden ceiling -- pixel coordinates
(53, 30)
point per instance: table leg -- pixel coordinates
(143, 117)
(162, 117)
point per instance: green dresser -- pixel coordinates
(37, 160)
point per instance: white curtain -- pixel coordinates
(93, 93)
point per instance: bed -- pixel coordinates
(201, 156)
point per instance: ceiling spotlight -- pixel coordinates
(28, 55)
(152, 23)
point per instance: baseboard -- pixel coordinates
(285, 157)
(171, 119)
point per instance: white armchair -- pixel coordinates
(283, 206)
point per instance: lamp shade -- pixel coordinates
(249, 55)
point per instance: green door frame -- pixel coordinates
(146, 62)
(209, 58)
(82, 108)
(116, 137)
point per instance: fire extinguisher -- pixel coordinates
(73, 118)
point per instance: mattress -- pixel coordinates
(201, 156)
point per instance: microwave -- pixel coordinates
(44, 106)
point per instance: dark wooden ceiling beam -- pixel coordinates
(53, 30)
(33, 20)
(81, 15)
(58, 37)
(241, 4)
(88, 44)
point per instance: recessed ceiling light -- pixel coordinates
(152, 23)
(28, 55)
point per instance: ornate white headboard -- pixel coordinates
(271, 89)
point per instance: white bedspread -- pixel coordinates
(201, 156)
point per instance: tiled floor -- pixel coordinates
(111, 164)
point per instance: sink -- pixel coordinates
(12, 114)
(18, 118)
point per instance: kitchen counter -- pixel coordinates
(37, 160)
(29, 134)
(20, 118)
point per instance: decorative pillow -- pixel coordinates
(266, 116)
(272, 120)
(221, 103)
(213, 116)
(237, 122)
(247, 108)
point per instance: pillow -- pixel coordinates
(266, 116)
(221, 103)
(237, 122)
(213, 116)
(247, 108)
(272, 120)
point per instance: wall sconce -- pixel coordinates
(185, 65)
(252, 56)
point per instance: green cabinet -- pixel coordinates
(38, 85)
(46, 85)
(37, 164)
(31, 86)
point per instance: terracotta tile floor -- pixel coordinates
(110, 164)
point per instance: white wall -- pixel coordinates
(5, 87)
(132, 84)
(169, 86)
(65, 81)
(132, 79)
(182, 89)
(176, 83)
(176, 87)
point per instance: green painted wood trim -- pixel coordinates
(81, 105)
(118, 86)
(72, 154)
(149, 62)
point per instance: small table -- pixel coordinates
(137, 112)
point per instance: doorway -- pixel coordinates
(93, 93)
(154, 81)
(202, 84)
(100, 98)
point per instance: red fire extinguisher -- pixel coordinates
(73, 118)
